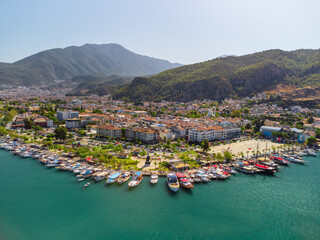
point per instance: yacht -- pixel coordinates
(154, 178)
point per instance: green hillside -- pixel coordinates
(230, 76)
(89, 84)
(90, 59)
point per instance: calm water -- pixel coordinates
(40, 203)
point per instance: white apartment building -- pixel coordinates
(63, 115)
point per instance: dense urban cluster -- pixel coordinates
(173, 134)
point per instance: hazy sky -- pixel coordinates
(184, 31)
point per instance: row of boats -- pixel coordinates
(186, 180)
(271, 166)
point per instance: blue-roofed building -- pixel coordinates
(294, 133)
(267, 131)
(298, 135)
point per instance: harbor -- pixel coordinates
(46, 203)
(266, 164)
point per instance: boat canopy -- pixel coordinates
(180, 175)
(115, 175)
(138, 174)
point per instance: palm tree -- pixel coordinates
(247, 155)
(156, 164)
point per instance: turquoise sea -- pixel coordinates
(41, 203)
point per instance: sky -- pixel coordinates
(184, 31)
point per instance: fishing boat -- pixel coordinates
(265, 169)
(136, 179)
(154, 178)
(87, 173)
(203, 177)
(184, 182)
(218, 174)
(113, 177)
(173, 182)
(124, 177)
(86, 185)
(244, 168)
(99, 176)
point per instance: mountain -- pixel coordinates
(89, 84)
(90, 59)
(228, 77)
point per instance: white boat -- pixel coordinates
(113, 177)
(310, 152)
(86, 185)
(80, 179)
(136, 179)
(245, 169)
(154, 178)
(293, 159)
(124, 177)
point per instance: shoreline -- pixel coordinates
(98, 172)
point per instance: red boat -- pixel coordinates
(265, 169)
(279, 160)
(184, 182)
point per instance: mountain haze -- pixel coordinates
(90, 59)
(228, 77)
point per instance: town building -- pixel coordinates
(145, 135)
(63, 115)
(109, 130)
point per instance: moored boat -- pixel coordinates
(124, 177)
(184, 182)
(279, 160)
(136, 179)
(173, 182)
(154, 178)
(113, 177)
(244, 168)
(265, 169)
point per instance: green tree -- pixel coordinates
(205, 146)
(311, 141)
(258, 123)
(61, 133)
(219, 156)
(227, 156)
(310, 120)
(123, 132)
(82, 133)
(97, 110)
(28, 123)
(3, 131)
(317, 132)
